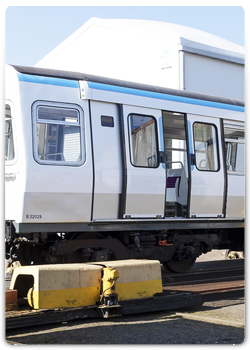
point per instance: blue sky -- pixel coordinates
(31, 32)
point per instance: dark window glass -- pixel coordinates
(107, 121)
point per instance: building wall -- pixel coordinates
(213, 76)
(152, 53)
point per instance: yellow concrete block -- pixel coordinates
(60, 286)
(137, 278)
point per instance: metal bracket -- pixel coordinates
(110, 311)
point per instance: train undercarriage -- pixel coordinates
(176, 249)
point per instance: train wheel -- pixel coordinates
(179, 266)
(32, 255)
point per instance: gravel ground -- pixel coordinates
(220, 322)
(213, 323)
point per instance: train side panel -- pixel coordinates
(57, 183)
(235, 197)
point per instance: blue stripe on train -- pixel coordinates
(48, 80)
(106, 87)
(174, 98)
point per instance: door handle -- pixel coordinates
(162, 156)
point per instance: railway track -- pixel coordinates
(214, 280)
(206, 281)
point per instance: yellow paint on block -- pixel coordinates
(66, 298)
(138, 290)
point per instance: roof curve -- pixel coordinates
(167, 31)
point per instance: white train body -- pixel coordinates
(83, 151)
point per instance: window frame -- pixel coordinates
(12, 118)
(156, 141)
(217, 147)
(230, 141)
(80, 124)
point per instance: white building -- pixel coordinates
(155, 53)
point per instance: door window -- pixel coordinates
(206, 147)
(143, 141)
(235, 149)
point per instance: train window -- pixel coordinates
(235, 149)
(58, 137)
(206, 147)
(9, 142)
(107, 121)
(143, 141)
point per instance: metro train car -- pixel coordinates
(101, 169)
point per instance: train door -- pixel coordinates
(234, 134)
(206, 167)
(145, 174)
(107, 160)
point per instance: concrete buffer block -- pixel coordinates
(138, 279)
(81, 285)
(58, 286)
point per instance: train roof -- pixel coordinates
(46, 72)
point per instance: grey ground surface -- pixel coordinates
(213, 323)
